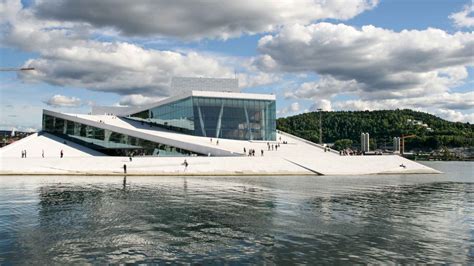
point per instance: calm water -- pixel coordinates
(362, 219)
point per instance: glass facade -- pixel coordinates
(227, 118)
(107, 141)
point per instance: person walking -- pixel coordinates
(124, 168)
(25, 153)
(61, 153)
(42, 153)
(245, 151)
(261, 152)
(185, 163)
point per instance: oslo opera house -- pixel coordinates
(208, 122)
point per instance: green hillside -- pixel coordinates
(382, 127)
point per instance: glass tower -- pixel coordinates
(229, 118)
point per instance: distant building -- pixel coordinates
(419, 123)
(364, 142)
(396, 144)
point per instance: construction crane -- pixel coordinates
(16, 69)
(403, 141)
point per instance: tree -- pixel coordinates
(382, 125)
(341, 144)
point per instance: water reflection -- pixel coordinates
(407, 223)
(146, 221)
(245, 220)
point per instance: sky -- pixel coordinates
(333, 55)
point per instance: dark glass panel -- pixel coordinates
(142, 114)
(48, 123)
(59, 125)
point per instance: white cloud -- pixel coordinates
(379, 68)
(137, 100)
(451, 106)
(63, 101)
(121, 68)
(290, 109)
(464, 18)
(257, 78)
(294, 107)
(458, 101)
(325, 87)
(200, 18)
(69, 58)
(362, 105)
(455, 116)
(322, 104)
(383, 68)
(382, 62)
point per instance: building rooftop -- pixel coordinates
(183, 84)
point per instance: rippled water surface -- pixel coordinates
(361, 219)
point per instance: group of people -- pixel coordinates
(217, 141)
(347, 151)
(273, 146)
(251, 152)
(284, 142)
(23, 153)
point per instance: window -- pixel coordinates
(202, 116)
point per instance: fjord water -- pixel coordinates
(302, 219)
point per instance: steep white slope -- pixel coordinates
(52, 145)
